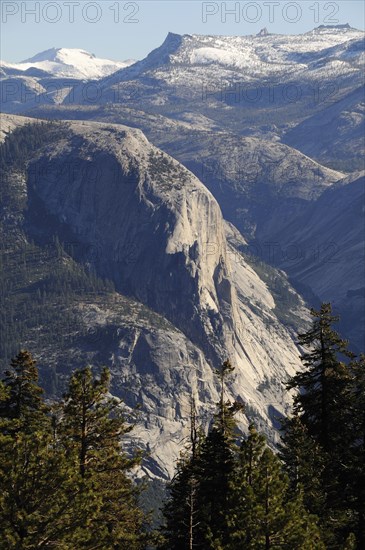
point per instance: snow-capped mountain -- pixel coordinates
(66, 63)
(181, 59)
(243, 83)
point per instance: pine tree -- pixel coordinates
(24, 400)
(34, 501)
(63, 478)
(215, 469)
(243, 519)
(324, 381)
(91, 429)
(264, 514)
(320, 424)
(304, 461)
(197, 511)
(181, 510)
(4, 393)
(357, 450)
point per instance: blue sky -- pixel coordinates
(127, 29)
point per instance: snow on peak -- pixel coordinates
(261, 55)
(60, 55)
(333, 28)
(70, 63)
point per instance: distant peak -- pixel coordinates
(46, 55)
(343, 26)
(172, 35)
(263, 32)
(173, 40)
(69, 62)
(56, 54)
(170, 45)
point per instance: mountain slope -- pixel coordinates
(253, 85)
(91, 201)
(327, 241)
(10, 122)
(339, 132)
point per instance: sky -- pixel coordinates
(122, 30)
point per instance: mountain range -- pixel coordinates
(191, 208)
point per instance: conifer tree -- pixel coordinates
(181, 510)
(64, 478)
(320, 424)
(324, 381)
(197, 511)
(24, 401)
(356, 472)
(304, 461)
(243, 519)
(35, 488)
(264, 514)
(4, 392)
(91, 429)
(215, 469)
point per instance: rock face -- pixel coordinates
(153, 365)
(258, 184)
(153, 228)
(138, 217)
